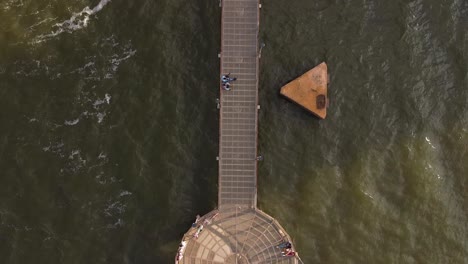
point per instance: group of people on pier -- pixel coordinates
(286, 249)
(180, 251)
(198, 227)
(225, 80)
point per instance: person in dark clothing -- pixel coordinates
(285, 244)
(225, 78)
(226, 86)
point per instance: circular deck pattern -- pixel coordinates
(235, 236)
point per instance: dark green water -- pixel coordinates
(109, 129)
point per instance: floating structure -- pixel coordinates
(310, 90)
(237, 231)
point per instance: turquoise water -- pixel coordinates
(109, 129)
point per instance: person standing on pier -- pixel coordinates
(285, 244)
(227, 86)
(226, 78)
(287, 252)
(196, 221)
(197, 233)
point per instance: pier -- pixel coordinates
(237, 231)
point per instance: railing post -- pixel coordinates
(260, 51)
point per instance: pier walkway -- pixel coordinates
(237, 232)
(238, 117)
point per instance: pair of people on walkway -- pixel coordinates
(225, 79)
(197, 233)
(286, 249)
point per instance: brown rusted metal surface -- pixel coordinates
(310, 90)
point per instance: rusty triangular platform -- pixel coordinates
(310, 90)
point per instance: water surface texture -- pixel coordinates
(109, 128)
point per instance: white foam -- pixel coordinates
(368, 195)
(115, 208)
(73, 154)
(100, 6)
(125, 193)
(115, 62)
(430, 143)
(40, 23)
(77, 21)
(106, 99)
(100, 116)
(12, 3)
(100, 179)
(55, 148)
(72, 122)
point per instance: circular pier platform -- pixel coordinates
(237, 236)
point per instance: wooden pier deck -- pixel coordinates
(238, 117)
(237, 232)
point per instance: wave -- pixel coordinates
(77, 21)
